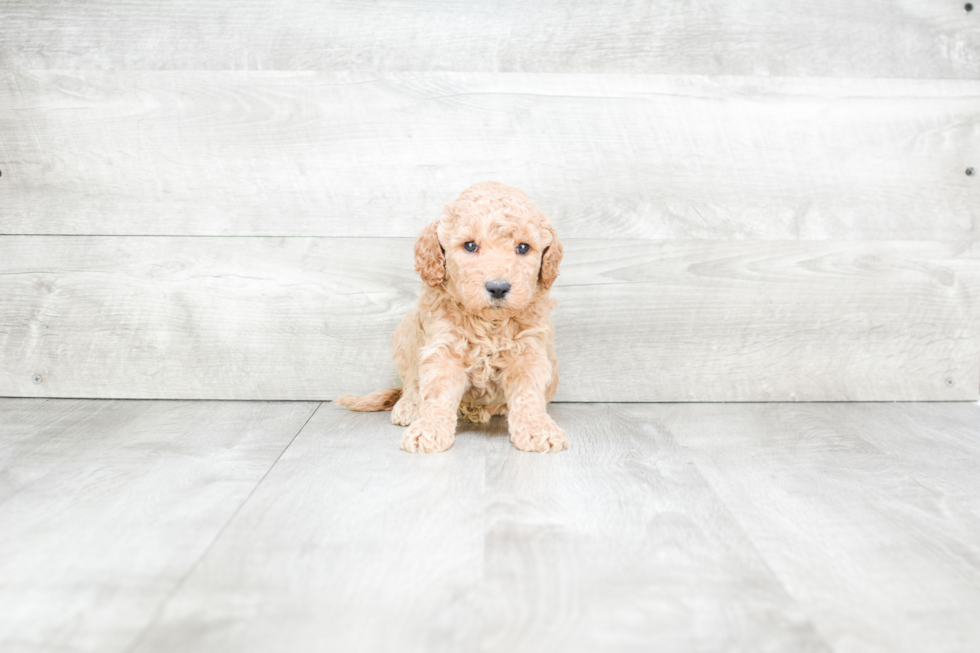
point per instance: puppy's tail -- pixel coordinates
(379, 400)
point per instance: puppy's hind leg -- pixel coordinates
(405, 344)
(406, 410)
(475, 414)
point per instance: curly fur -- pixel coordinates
(463, 353)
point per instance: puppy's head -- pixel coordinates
(492, 249)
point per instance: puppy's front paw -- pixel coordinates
(543, 436)
(422, 437)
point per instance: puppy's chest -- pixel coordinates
(485, 360)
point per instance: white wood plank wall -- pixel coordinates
(759, 201)
(302, 318)
(609, 156)
(835, 38)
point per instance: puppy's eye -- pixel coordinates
(469, 246)
(523, 248)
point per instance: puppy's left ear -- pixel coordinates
(550, 260)
(430, 260)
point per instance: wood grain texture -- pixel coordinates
(309, 318)
(904, 38)
(880, 556)
(618, 544)
(688, 528)
(352, 545)
(608, 156)
(105, 506)
(937, 443)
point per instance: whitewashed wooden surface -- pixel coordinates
(220, 526)
(343, 501)
(592, 552)
(833, 496)
(656, 128)
(899, 38)
(106, 506)
(311, 318)
(486, 548)
(608, 156)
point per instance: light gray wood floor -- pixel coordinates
(291, 526)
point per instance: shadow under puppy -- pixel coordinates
(479, 342)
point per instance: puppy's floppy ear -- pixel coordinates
(550, 260)
(430, 260)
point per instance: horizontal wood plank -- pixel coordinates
(311, 318)
(902, 38)
(106, 506)
(608, 156)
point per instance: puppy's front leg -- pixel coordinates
(442, 381)
(525, 384)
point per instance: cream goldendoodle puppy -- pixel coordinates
(480, 340)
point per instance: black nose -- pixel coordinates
(498, 288)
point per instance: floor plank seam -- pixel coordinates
(190, 570)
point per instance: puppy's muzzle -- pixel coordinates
(498, 288)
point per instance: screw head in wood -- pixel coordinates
(968, 6)
(950, 382)
(36, 378)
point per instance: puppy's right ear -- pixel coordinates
(430, 260)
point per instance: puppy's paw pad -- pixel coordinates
(422, 439)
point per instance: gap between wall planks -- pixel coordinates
(311, 318)
(608, 156)
(900, 38)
